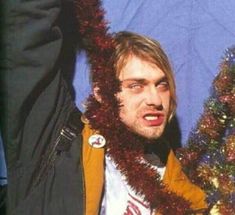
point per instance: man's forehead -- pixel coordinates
(142, 76)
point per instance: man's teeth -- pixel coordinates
(151, 117)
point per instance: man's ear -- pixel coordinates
(97, 94)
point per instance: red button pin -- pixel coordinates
(97, 141)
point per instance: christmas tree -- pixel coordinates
(209, 157)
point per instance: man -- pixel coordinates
(55, 166)
(147, 102)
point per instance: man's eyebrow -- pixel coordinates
(164, 78)
(139, 80)
(142, 80)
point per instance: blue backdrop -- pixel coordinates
(194, 33)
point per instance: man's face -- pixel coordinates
(144, 98)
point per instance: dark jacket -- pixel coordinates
(38, 103)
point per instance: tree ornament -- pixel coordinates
(230, 148)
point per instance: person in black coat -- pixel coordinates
(44, 175)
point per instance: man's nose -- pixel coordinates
(153, 97)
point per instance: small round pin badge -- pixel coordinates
(97, 141)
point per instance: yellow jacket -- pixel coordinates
(93, 163)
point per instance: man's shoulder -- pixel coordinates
(176, 181)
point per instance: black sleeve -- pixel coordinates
(33, 83)
(37, 99)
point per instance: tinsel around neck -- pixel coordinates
(123, 146)
(127, 149)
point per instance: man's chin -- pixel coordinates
(150, 135)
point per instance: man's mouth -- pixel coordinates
(150, 117)
(153, 119)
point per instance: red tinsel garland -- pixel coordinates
(125, 148)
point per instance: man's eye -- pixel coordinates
(163, 85)
(135, 86)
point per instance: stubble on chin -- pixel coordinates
(151, 133)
